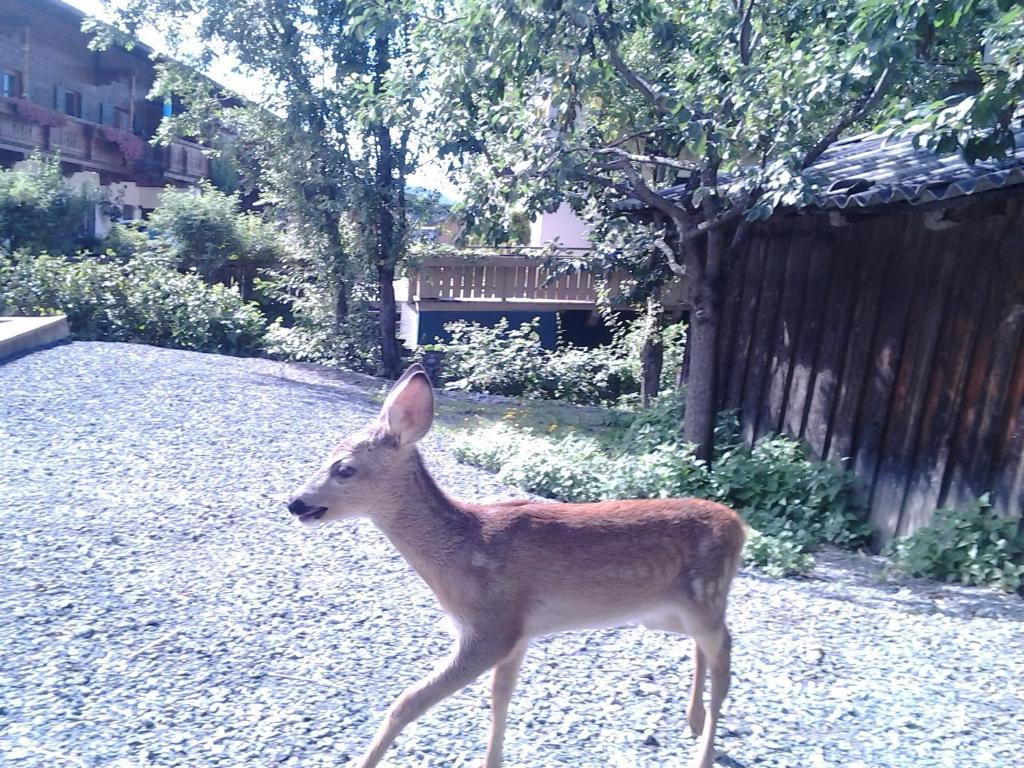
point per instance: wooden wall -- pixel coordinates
(891, 347)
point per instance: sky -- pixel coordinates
(224, 72)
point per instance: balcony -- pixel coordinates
(512, 278)
(84, 144)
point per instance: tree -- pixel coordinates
(337, 132)
(729, 101)
(39, 211)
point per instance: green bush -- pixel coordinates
(500, 360)
(503, 360)
(205, 230)
(970, 546)
(38, 211)
(777, 555)
(136, 301)
(780, 490)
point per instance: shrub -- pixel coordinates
(503, 360)
(137, 301)
(500, 360)
(780, 490)
(970, 546)
(777, 555)
(204, 231)
(38, 211)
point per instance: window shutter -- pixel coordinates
(58, 98)
(104, 114)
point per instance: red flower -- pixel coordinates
(131, 146)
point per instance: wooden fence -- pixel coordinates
(513, 275)
(891, 346)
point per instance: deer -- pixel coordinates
(509, 572)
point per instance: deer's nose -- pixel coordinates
(298, 507)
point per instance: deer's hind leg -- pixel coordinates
(674, 622)
(716, 647)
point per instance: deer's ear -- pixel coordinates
(409, 408)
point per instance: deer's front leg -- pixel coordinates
(470, 659)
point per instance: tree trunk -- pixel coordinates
(699, 422)
(387, 241)
(702, 338)
(390, 354)
(652, 354)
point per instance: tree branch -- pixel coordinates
(746, 47)
(650, 159)
(655, 99)
(857, 113)
(670, 257)
(630, 136)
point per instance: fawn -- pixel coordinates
(511, 571)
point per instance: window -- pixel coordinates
(73, 103)
(121, 119)
(10, 83)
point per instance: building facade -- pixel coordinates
(87, 108)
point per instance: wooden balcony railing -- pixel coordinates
(514, 275)
(82, 142)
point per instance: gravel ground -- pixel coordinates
(158, 607)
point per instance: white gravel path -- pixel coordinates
(158, 607)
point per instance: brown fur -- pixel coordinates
(511, 571)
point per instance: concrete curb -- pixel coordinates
(20, 335)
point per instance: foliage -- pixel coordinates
(783, 491)
(777, 555)
(206, 230)
(132, 147)
(503, 360)
(794, 503)
(733, 101)
(499, 359)
(140, 301)
(38, 210)
(126, 239)
(970, 546)
(29, 110)
(331, 136)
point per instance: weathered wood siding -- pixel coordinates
(891, 347)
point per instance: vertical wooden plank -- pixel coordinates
(777, 250)
(819, 270)
(899, 442)
(972, 474)
(1008, 483)
(905, 257)
(787, 329)
(747, 319)
(731, 311)
(876, 253)
(970, 453)
(942, 399)
(826, 374)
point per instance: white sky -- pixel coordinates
(223, 71)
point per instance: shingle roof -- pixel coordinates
(871, 170)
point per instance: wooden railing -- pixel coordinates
(513, 275)
(186, 160)
(83, 142)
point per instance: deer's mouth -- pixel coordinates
(314, 513)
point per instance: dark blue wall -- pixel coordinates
(431, 324)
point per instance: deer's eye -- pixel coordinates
(342, 471)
